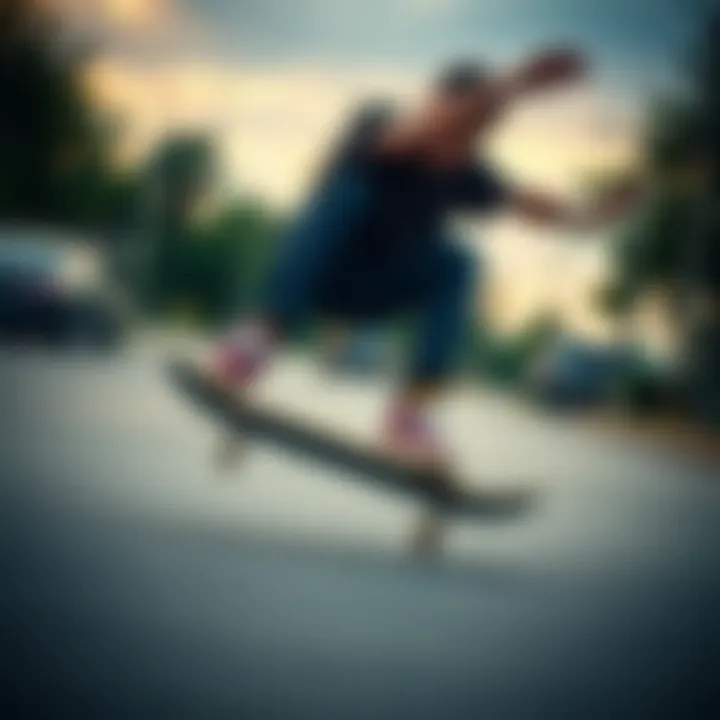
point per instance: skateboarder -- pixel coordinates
(371, 241)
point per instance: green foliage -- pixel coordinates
(213, 269)
(641, 390)
(181, 172)
(509, 358)
(174, 182)
(683, 152)
(650, 252)
(673, 138)
(55, 147)
(674, 243)
(236, 246)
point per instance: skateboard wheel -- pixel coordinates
(427, 542)
(230, 453)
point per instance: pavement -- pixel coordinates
(137, 583)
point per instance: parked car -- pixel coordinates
(572, 373)
(54, 289)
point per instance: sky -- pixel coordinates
(273, 79)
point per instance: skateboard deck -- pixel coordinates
(272, 427)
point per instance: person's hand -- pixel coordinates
(620, 201)
(616, 204)
(550, 68)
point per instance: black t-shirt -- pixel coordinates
(409, 199)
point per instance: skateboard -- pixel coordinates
(443, 495)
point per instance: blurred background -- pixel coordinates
(172, 139)
(150, 153)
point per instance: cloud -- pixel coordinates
(563, 139)
(431, 7)
(120, 15)
(136, 29)
(272, 123)
(137, 15)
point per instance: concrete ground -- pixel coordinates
(136, 583)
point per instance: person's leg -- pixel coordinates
(443, 309)
(314, 244)
(313, 248)
(434, 281)
(443, 318)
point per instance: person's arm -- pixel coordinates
(546, 70)
(540, 207)
(543, 71)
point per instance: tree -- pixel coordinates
(238, 243)
(55, 147)
(176, 179)
(509, 358)
(674, 243)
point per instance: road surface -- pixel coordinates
(136, 583)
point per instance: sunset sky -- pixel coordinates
(271, 80)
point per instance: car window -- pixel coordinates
(23, 259)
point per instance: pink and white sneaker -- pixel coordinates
(410, 435)
(241, 358)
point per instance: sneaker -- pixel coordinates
(239, 360)
(410, 435)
